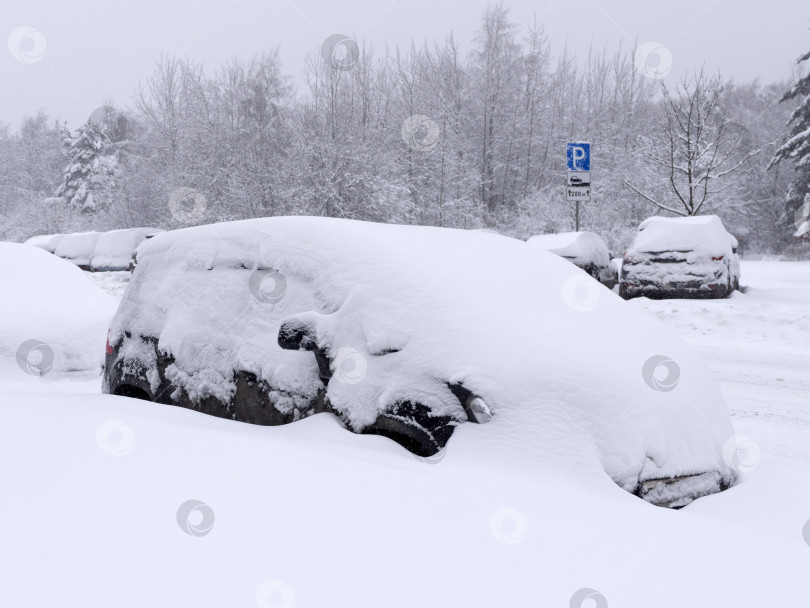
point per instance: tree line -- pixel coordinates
(430, 134)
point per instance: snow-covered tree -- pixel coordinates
(796, 150)
(90, 175)
(695, 149)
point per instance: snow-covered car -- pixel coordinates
(409, 332)
(48, 242)
(114, 249)
(78, 248)
(684, 257)
(583, 249)
(51, 317)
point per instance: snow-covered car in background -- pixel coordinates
(684, 257)
(51, 317)
(409, 332)
(583, 249)
(48, 242)
(114, 249)
(78, 248)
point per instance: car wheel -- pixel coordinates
(411, 425)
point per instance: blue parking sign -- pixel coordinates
(578, 156)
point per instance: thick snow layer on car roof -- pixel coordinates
(48, 242)
(49, 300)
(703, 234)
(78, 247)
(579, 247)
(404, 310)
(113, 250)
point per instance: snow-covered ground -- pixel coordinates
(758, 345)
(98, 489)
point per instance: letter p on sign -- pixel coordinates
(578, 156)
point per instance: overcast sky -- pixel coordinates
(84, 52)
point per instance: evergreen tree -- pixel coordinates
(90, 175)
(796, 149)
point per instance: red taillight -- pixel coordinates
(109, 349)
(718, 259)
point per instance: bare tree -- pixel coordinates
(697, 147)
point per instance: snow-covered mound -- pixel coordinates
(702, 234)
(48, 242)
(78, 248)
(48, 301)
(580, 247)
(113, 250)
(403, 312)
